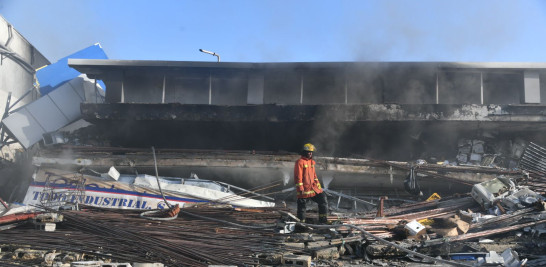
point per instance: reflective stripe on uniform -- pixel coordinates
(299, 184)
(306, 193)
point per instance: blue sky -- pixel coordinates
(287, 31)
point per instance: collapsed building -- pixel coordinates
(469, 132)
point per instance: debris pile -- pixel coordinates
(118, 219)
(458, 230)
(198, 237)
(498, 223)
(490, 152)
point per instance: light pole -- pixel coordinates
(210, 53)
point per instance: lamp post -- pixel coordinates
(210, 53)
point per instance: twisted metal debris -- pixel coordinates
(186, 241)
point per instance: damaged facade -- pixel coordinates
(219, 140)
(471, 114)
(395, 111)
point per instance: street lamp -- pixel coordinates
(211, 53)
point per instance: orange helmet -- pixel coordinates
(309, 147)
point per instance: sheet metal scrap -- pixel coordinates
(533, 160)
(445, 210)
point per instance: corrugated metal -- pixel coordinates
(534, 161)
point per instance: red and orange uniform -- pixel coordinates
(305, 178)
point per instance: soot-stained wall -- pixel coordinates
(187, 87)
(337, 84)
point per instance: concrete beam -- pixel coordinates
(269, 166)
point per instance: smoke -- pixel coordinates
(405, 83)
(286, 177)
(459, 88)
(328, 129)
(437, 30)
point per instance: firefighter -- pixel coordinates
(308, 185)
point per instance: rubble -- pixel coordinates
(416, 232)
(95, 199)
(493, 217)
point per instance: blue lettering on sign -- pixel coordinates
(97, 200)
(141, 205)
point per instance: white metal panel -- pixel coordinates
(46, 112)
(24, 127)
(67, 101)
(532, 87)
(76, 84)
(49, 113)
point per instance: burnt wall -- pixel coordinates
(187, 87)
(282, 87)
(409, 85)
(503, 88)
(396, 132)
(353, 84)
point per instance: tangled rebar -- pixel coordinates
(198, 240)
